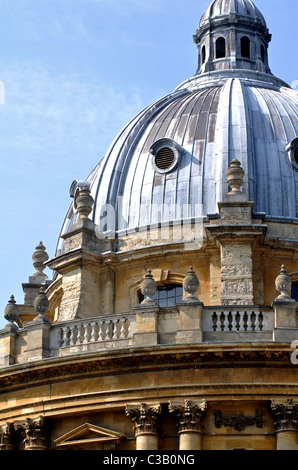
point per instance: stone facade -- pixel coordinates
(157, 338)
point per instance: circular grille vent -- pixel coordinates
(165, 158)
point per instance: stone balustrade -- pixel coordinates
(111, 331)
(148, 325)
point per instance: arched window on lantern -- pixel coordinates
(220, 48)
(203, 54)
(245, 47)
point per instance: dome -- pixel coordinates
(169, 162)
(241, 8)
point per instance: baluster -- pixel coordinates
(80, 336)
(66, 335)
(109, 329)
(261, 319)
(101, 330)
(253, 321)
(122, 328)
(93, 331)
(214, 321)
(73, 331)
(245, 321)
(115, 329)
(60, 338)
(86, 332)
(237, 318)
(222, 321)
(230, 321)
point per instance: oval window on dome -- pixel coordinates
(164, 158)
(166, 154)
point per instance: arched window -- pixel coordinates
(220, 48)
(295, 291)
(263, 53)
(167, 296)
(245, 47)
(203, 54)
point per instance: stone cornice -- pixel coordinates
(123, 361)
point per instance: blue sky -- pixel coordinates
(74, 72)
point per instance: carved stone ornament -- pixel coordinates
(285, 415)
(84, 202)
(235, 175)
(191, 284)
(144, 417)
(238, 422)
(35, 434)
(11, 311)
(7, 437)
(39, 257)
(189, 415)
(283, 284)
(41, 304)
(148, 288)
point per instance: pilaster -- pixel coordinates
(235, 236)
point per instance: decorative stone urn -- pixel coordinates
(84, 202)
(148, 288)
(41, 304)
(191, 284)
(39, 258)
(235, 175)
(11, 312)
(283, 284)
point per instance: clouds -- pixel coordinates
(48, 111)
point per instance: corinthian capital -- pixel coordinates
(189, 415)
(285, 415)
(144, 417)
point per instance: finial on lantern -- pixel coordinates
(191, 284)
(148, 288)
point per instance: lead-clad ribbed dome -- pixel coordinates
(174, 154)
(243, 8)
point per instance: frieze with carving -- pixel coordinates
(238, 422)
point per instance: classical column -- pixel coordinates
(145, 419)
(285, 417)
(7, 437)
(190, 416)
(35, 434)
